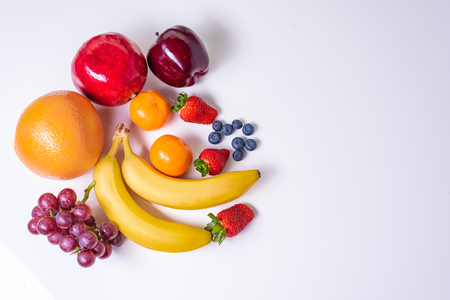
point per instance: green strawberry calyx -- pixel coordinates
(180, 102)
(218, 233)
(201, 166)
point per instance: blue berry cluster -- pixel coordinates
(238, 143)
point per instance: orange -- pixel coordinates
(59, 136)
(150, 110)
(171, 155)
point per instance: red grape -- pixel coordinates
(56, 236)
(99, 249)
(87, 240)
(68, 243)
(46, 226)
(71, 225)
(67, 198)
(109, 230)
(117, 241)
(86, 258)
(32, 225)
(108, 250)
(82, 212)
(90, 222)
(37, 212)
(77, 229)
(64, 219)
(48, 201)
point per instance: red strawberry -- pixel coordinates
(229, 222)
(194, 110)
(211, 161)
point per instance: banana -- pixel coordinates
(178, 193)
(134, 222)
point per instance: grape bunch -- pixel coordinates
(71, 225)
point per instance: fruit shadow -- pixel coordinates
(217, 40)
(109, 117)
(196, 145)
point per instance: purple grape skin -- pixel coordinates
(99, 249)
(48, 201)
(77, 229)
(86, 258)
(109, 230)
(38, 212)
(32, 225)
(68, 243)
(67, 198)
(56, 236)
(46, 226)
(87, 240)
(90, 222)
(64, 219)
(118, 240)
(108, 250)
(82, 212)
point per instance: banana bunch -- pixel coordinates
(134, 222)
(172, 192)
(145, 229)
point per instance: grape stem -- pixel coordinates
(95, 229)
(87, 191)
(77, 250)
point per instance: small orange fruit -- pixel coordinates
(59, 136)
(171, 155)
(150, 110)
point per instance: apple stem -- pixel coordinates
(132, 96)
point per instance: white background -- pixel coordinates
(350, 100)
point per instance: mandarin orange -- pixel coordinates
(150, 110)
(171, 155)
(59, 136)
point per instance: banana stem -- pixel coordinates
(119, 133)
(126, 145)
(115, 146)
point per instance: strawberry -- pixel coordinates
(194, 110)
(211, 161)
(229, 222)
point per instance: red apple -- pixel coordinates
(178, 57)
(109, 69)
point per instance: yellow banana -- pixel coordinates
(178, 193)
(133, 221)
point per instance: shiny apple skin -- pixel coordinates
(178, 57)
(109, 69)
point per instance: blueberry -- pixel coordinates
(250, 145)
(217, 125)
(227, 129)
(238, 155)
(237, 143)
(248, 129)
(214, 137)
(237, 124)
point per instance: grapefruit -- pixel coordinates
(59, 136)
